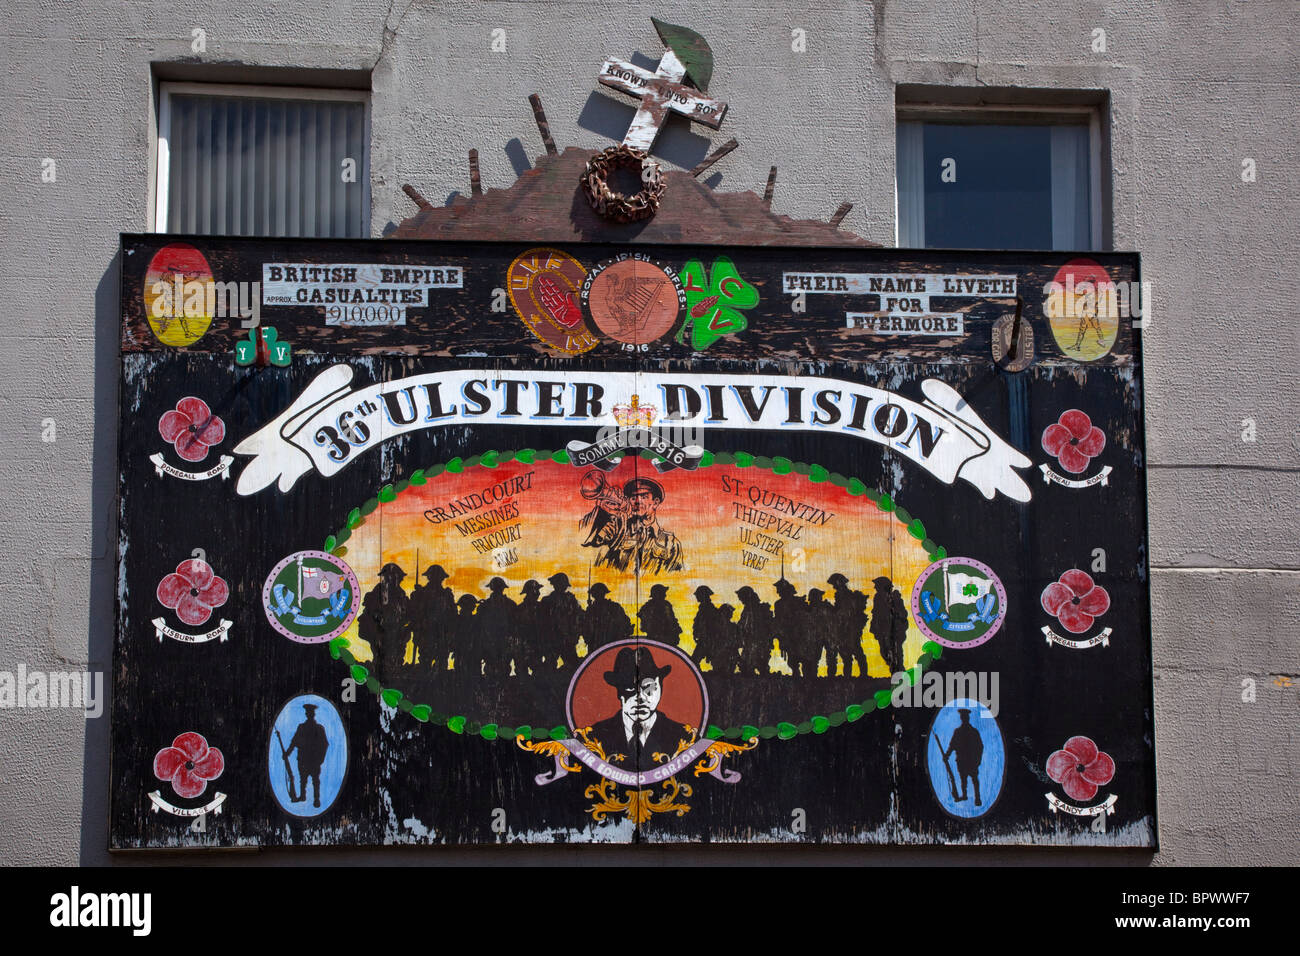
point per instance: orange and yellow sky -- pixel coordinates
(699, 507)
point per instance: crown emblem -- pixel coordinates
(634, 414)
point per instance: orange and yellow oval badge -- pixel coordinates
(176, 294)
(1083, 310)
(544, 284)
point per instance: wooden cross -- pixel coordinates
(659, 92)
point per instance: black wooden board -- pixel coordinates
(978, 535)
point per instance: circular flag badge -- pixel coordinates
(311, 597)
(633, 300)
(543, 285)
(958, 602)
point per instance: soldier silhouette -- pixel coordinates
(755, 632)
(392, 615)
(495, 617)
(889, 622)
(604, 621)
(561, 620)
(527, 628)
(469, 649)
(705, 630)
(790, 620)
(821, 627)
(727, 640)
(433, 618)
(969, 747)
(311, 743)
(368, 628)
(850, 618)
(658, 622)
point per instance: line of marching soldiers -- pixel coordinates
(542, 631)
(804, 625)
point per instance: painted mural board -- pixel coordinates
(482, 542)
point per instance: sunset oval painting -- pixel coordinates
(484, 587)
(176, 294)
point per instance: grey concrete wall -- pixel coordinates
(1191, 91)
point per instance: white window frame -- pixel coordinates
(980, 114)
(166, 88)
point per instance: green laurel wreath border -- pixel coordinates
(785, 730)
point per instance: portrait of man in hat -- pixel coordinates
(630, 536)
(638, 730)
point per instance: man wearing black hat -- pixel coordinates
(638, 732)
(658, 621)
(561, 620)
(643, 546)
(311, 743)
(433, 615)
(496, 615)
(604, 622)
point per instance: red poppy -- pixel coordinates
(1075, 601)
(192, 428)
(1080, 768)
(188, 764)
(192, 591)
(1074, 440)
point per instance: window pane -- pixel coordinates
(1000, 193)
(993, 186)
(265, 167)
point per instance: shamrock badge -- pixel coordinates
(714, 299)
(275, 352)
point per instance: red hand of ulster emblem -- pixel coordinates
(703, 306)
(560, 305)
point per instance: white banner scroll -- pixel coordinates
(220, 632)
(1102, 637)
(213, 806)
(222, 468)
(1100, 478)
(1107, 806)
(330, 424)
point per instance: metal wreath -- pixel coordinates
(617, 206)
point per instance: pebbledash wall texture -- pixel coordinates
(1187, 93)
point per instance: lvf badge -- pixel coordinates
(543, 284)
(959, 602)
